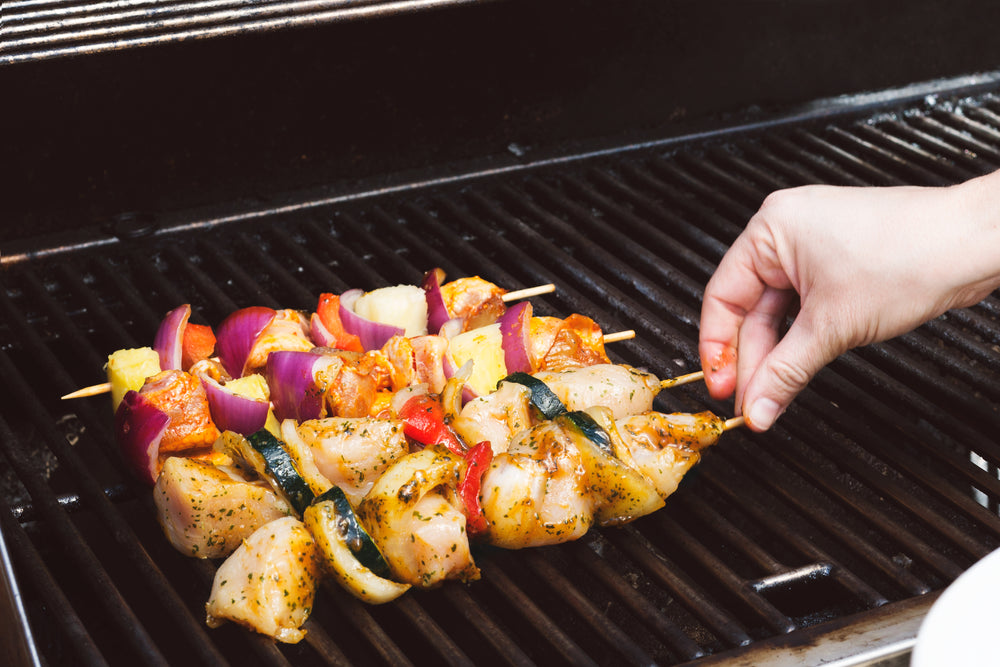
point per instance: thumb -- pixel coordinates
(784, 373)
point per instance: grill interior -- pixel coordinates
(34, 30)
(877, 487)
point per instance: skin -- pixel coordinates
(854, 266)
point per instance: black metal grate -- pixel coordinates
(878, 486)
(33, 30)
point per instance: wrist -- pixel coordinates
(974, 206)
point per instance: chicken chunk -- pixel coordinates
(268, 584)
(206, 512)
(626, 390)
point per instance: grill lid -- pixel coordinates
(875, 490)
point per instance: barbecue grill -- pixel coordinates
(826, 539)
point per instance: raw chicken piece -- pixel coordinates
(665, 446)
(626, 390)
(269, 582)
(353, 452)
(495, 417)
(413, 514)
(206, 512)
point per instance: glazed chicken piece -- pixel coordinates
(352, 452)
(182, 397)
(414, 515)
(665, 446)
(268, 584)
(623, 389)
(536, 493)
(558, 345)
(289, 330)
(476, 301)
(495, 417)
(206, 511)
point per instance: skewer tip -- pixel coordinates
(528, 292)
(734, 422)
(682, 379)
(93, 390)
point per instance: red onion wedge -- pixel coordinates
(169, 341)
(139, 427)
(373, 335)
(515, 328)
(319, 334)
(296, 382)
(232, 412)
(437, 311)
(237, 334)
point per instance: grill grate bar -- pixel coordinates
(778, 526)
(915, 467)
(925, 166)
(506, 646)
(643, 608)
(75, 545)
(662, 569)
(776, 621)
(539, 620)
(592, 616)
(32, 32)
(30, 563)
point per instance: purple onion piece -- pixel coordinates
(139, 427)
(515, 328)
(232, 412)
(169, 341)
(291, 377)
(468, 393)
(437, 311)
(236, 335)
(373, 335)
(319, 334)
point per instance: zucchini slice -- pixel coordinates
(626, 494)
(262, 454)
(348, 550)
(543, 398)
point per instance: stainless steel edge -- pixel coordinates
(882, 637)
(17, 646)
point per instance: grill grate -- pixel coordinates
(33, 30)
(878, 486)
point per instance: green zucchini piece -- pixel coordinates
(543, 398)
(326, 524)
(592, 430)
(354, 534)
(263, 454)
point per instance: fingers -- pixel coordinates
(733, 291)
(759, 335)
(784, 373)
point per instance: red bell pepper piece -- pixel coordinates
(198, 343)
(478, 459)
(328, 310)
(423, 420)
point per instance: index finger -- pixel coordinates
(732, 292)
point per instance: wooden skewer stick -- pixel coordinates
(527, 292)
(619, 336)
(105, 387)
(682, 379)
(92, 390)
(734, 422)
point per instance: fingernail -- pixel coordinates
(763, 413)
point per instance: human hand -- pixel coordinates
(863, 265)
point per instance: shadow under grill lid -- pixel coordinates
(875, 490)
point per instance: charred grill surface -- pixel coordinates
(877, 487)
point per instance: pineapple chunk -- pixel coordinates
(485, 347)
(255, 386)
(128, 369)
(403, 306)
